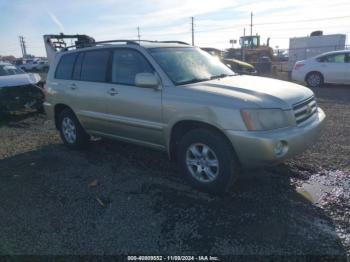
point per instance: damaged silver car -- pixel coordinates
(19, 90)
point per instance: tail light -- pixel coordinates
(297, 66)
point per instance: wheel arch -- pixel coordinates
(312, 72)
(57, 111)
(182, 127)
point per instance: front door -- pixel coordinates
(135, 113)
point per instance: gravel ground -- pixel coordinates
(117, 198)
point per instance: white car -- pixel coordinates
(35, 65)
(332, 67)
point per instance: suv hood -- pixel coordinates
(263, 92)
(19, 79)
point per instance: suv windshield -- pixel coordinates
(185, 65)
(6, 70)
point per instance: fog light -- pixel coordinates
(281, 148)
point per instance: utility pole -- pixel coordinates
(23, 46)
(251, 24)
(20, 43)
(138, 33)
(192, 25)
(242, 46)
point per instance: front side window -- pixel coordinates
(126, 64)
(94, 67)
(65, 66)
(186, 65)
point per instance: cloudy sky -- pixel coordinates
(216, 21)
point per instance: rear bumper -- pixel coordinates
(259, 148)
(298, 75)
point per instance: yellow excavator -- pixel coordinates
(252, 52)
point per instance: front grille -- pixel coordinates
(304, 109)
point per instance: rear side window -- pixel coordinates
(335, 58)
(95, 65)
(126, 64)
(65, 66)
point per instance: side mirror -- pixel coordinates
(147, 80)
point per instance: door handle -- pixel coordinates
(112, 91)
(73, 86)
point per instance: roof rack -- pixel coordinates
(127, 41)
(56, 43)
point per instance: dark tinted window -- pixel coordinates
(65, 66)
(77, 67)
(126, 64)
(94, 66)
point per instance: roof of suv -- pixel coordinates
(163, 44)
(143, 43)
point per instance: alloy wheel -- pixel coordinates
(202, 162)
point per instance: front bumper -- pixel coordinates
(49, 111)
(258, 148)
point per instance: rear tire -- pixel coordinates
(72, 133)
(314, 79)
(207, 160)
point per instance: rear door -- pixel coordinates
(90, 88)
(134, 112)
(62, 81)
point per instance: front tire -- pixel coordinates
(208, 161)
(314, 79)
(72, 133)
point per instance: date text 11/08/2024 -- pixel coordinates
(173, 258)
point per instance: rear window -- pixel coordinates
(94, 67)
(65, 66)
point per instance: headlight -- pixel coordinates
(265, 119)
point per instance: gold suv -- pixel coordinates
(177, 98)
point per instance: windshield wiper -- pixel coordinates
(220, 76)
(193, 80)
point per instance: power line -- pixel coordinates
(272, 23)
(305, 20)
